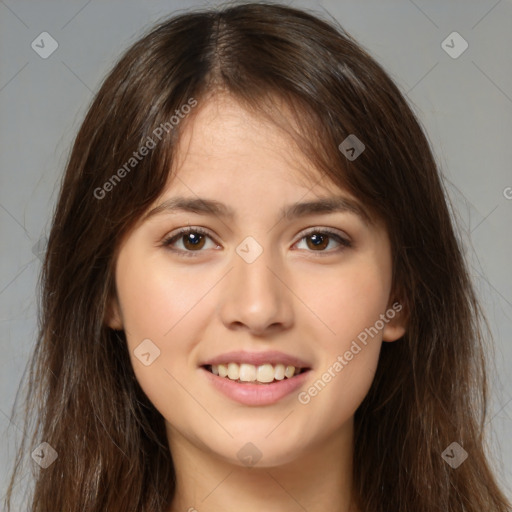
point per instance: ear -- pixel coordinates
(396, 316)
(113, 314)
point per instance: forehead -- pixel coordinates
(230, 159)
(230, 138)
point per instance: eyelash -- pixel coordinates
(168, 241)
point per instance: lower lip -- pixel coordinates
(256, 394)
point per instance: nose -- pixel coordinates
(256, 297)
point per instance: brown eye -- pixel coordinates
(318, 241)
(192, 240)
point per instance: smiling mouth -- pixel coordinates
(255, 374)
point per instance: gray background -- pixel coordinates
(464, 103)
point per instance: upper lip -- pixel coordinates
(272, 357)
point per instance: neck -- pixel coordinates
(316, 480)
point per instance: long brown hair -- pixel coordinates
(430, 387)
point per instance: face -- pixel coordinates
(253, 292)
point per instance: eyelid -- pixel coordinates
(343, 239)
(175, 235)
(325, 230)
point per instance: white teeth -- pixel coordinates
(247, 373)
(264, 373)
(233, 371)
(279, 372)
(290, 370)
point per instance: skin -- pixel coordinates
(294, 298)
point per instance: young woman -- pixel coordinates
(253, 296)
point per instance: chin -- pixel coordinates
(260, 451)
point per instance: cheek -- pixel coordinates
(334, 396)
(166, 307)
(349, 307)
(154, 301)
(343, 377)
(345, 303)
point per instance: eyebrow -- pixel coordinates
(204, 206)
